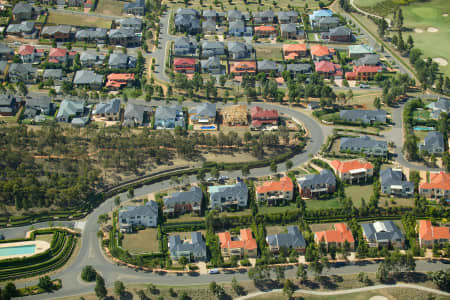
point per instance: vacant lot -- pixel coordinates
(275, 229)
(143, 241)
(110, 7)
(267, 52)
(77, 20)
(356, 192)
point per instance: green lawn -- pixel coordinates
(322, 204)
(143, 241)
(267, 52)
(357, 191)
(423, 114)
(276, 209)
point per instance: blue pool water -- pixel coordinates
(26, 249)
(423, 128)
(208, 127)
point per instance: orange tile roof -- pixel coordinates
(346, 166)
(279, 80)
(439, 180)
(113, 83)
(292, 55)
(320, 50)
(121, 76)
(247, 241)
(243, 66)
(427, 232)
(339, 235)
(294, 47)
(285, 184)
(265, 28)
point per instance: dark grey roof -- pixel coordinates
(97, 33)
(121, 33)
(441, 104)
(136, 4)
(364, 142)
(324, 177)
(237, 25)
(390, 177)
(341, 30)
(86, 55)
(285, 15)
(87, 77)
(194, 195)
(209, 13)
(3, 65)
(328, 20)
(433, 140)
(364, 115)
(368, 60)
(184, 42)
(288, 27)
(207, 45)
(41, 102)
(382, 231)
(135, 113)
(235, 190)
(187, 11)
(53, 73)
(265, 14)
(209, 25)
(167, 112)
(22, 7)
(187, 21)
(196, 247)
(203, 110)
(211, 62)
(267, 65)
(110, 107)
(235, 14)
(24, 26)
(136, 22)
(236, 47)
(4, 49)
(304, 68)
(51, 30)
(22, 68)
(116, 59)
(293, 238)
(7, 99)
(150, 209)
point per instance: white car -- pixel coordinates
(213, 271)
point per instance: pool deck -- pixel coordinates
(41, 246)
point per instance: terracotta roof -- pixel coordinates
(326, 66)
(339, 235)
(291, 55)
(279, 80)
(346, 166)
(53, 60)
(264, 28)
(285, 184)
(320, 50)
(439, 180)
(294, 47)
(26, 49)
(57, 52)
(114, 83)
(243, 66)
(367, 69)
(260, 113)
(121, 76)
(428, 232)
(184, 61)
(246, 240)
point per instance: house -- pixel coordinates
(203, 115)
(363, 72)
(188, 12)
(69, 110)
(321, 52)
(224, 196)
(209, 14)
(315, 185)
(437, 188)
(184, 46)
(38, 105)
(266, 31)
(60, 33)
(326, 23)
(233, 115)
(211, 65)
(235, 15)
(193, 249)
(363, 144)
(212, 48)
(125, 37)
(393, 183)
(145, 215)
(239, 68)
(136, 8)
(209, 26)
(244, 245)
(117, 81)
(169, 117)
(25, 29)
(352, 170)
(433, 143)
(269, 66)
(187, 20)
(363, 116)
(313, 105)
(134, 114)
(22, 11)
(292, 240)
(340, 34)
(87, 78)
(59, 55)
(290, 31)
(383, 234)
(236, 28)
(29, 54)
(295, 69)
(183, 202)
(121, 61)
(109, 111)
(91, 59)
(75, 3)
(56, 75)
(273, 192)
(238, 50)
(262, 117)
(92, 35)
(430, 235)
(8, 105)
(5, 52)
(440, 106)
(293, 51)
(25, 73)
(368, 60)
(185, 65)
(131, 23)
(285, 17)
(318, 14)
(264, 17)
(358, 51)
(328, 69)
(337, 237)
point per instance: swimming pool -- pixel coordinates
(423, 128)
(208, 127)
(18, 250)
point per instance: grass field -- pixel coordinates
(77, 20)
(267, 52)
(110, 7)
(322, 204)
(144, 241)
(357, 191)
(45, 237)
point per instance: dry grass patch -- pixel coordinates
(275, 229)
(143, 241)
(45, 237)
(110, 7)
(77, 20)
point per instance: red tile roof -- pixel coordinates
(284, 184)
(243, 66)
(57, 52)
(427, 232)
(294, 48)
(339, 235)
(26, 49)
(53, 60)
(326, 66)
(264, 28)
(181, 62)
(121, 76)
(346, 166)
(246, 240)
(367, 69)
(116, 84)
(260, 113)
(439, 180)
(320, 50)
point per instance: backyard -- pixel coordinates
(143, 241)
(110, 7)
(60, 18)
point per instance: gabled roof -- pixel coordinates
(328, 20)
(293, 238)
(391, 177)
(22, 68)
(234, 190)
(382, 231)
(432, 140)
(7, 99)
(367, 69)
(326, 66)
(246, 240)
(51, 30)
(283, 185)
(265, 28)
(203, 110)
(439, 180)
(110, 107)
(324, 177)
(57, 52)
(209, 24)
(187, 11)
(194, 195)
(121, 76)
(299, 67)
(150, 209)
(167, 112)
(70, 108)
(4, 49)
(41, 102)
(22, 7)
(284, 15)
(184, 61)
(121, 33)
(441, 104)
(118, 59)
(209, 13)
(428, 232)
(196, 247)
(24, 26)
(97, 33)
(267, 65)
(87, 77)
(212, 45)
(340, 31)
(339, 235)
(320, 50)
(86, 55)
(26, 50)
(264, 14)
(368, 60)
(362, 142)
(360, 49)
(237, 25)
(136, 4)
(257, 112)
(362, 114)
(320, 13)
(136, 22)
(235, 14)
(288, 28)
(53, 73)
(184, 42)
(134, 112)
(294, 47)
(236, 47)
(347, 166)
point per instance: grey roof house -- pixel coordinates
(121, 61)
(168, 117)
(193, 250)
(131, 23)
(209, 26)
(25, 29)
(223, 196)
(88, 78)
(90, 59)
(136, 8)
(268, 66)
(186, 21)
(368, 60)
(433, 143)
(53, 74)
(264, 17)
(209, 14)
(234, 15)
(22, 72)
(364, 144)
(109, 110)
(326, 23)
(212, 48)
(364, 116)
(146, 215)
(442, 105)
(97, 35)
(290, 31)
(182, 202)
(290, 16)
(340, 34)
(184, 46)
(41, 105)
(204, 114)
(125, 37)
(295, 69)
(393, 183)
(22, 11)
(211, 65)
(8, 105)
(69, 110)
(383, 234)
(313, 185)
(5, 52)
(293, 239)
(238, 50)
(134, 114)
(237, 28)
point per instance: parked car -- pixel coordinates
(364, 86)
(213, 271)
(211, 179)
(223, 177)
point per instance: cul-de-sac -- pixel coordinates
(224, 149)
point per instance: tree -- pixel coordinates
(273, 166)
(279, 273)
(100, 289)
(183, 261)
(288, 288)
(289, 164)
(245, 170)
(302, 272)
(8, 291)
(117, 201)
(377, 103)
(236, 287)
(45, 283)
(317, 267)
(183, 296)
(214, 172)
(442, 279)
(130, 193)
(119, 288)
(88, 274)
